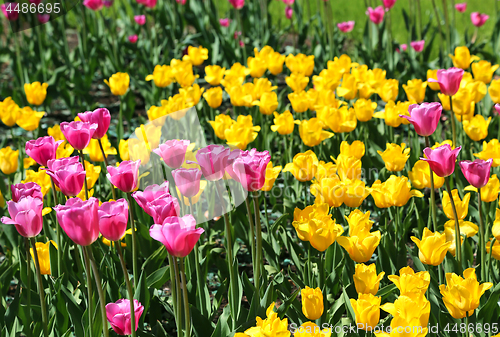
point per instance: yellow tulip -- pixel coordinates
(300, 63)
(365, 90)
(213, 96)
(477, 127)
(262, 86)
(466, 227)
(275, 63)
(462, 206)
(326, 98)
(242, 95)
(28, 162)
(40, 177)
(489, 193)
(264, 53)
(376, 77)
(447, 141)
(411, 310)
(495, 230)
(494, 91)
(380, 195)
(360, 71)
(183, 73)
(149, 134)
(342, 64)
(284, 123)
(496, 249)
(297, 82)
(395, 191)
(420, 176)
(94, 150)
(389, 90)
(312, 303)
(348, 167)
(366, 279)
(328, 79)
(64, 150)
(477, 90)
(221, 123)
(364, 109)
(123, 149)
(118, 83)
(9, 160)
(9, 111)
(392, 112)
(433, 85)
(445, 101)
(312, 133)
(138, 149)
(191, 94)
(29, 119)
(359, 223)
(463, 104)
(196, 198)
(304, 166)
(410, 282)
(462, 58)
(271, 175)
(237, 72)
(35, 92)
(326, 170)
(461, 295)
(491, 150)
(342, 119)
(360, 248)
(483, 71)
(268, 103)
(300, 101)
(241, 133)
(257, 66)
(196, 55)
(162, 76)
(355, 193)
(214, 74)
(2, 200)
(415, 90)
(43, 252)
(432, 248)
(92, 174)
(271, 326)
(309, 329)
(367, 311)
(349, 87)
(328, 190)
(450, 237)
(395, 157)
(356, 149)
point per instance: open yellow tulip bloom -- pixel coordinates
(432, 248)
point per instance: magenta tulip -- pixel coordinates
(388, 4)
(132, 38)
(442, 159)
(250, 169)
(418, 46)
(424, 117)
(23, 190)
(173, 152)
(101, 117)
(478, 19)
(224, 22)
(160, 209)
(151, 193)
(9, 12)
(288, 2)
(69, 178)
(476, 172)
(376, 15)
(404, 46)
(213, 161)
(118, 315)
(108, 3)
(26, 215)
(94, 5)
(126, 176)
(182, 2)
(288, 12)
(462, 7)
(449, 80)
(78, 134)
(187, 181)
(179, 235)
(497, 108)
(42, 149)
(79, 220)
(237, 4)
(140, 19)
(113, 218)
(346, 27)
(43, 18)
(54, 164)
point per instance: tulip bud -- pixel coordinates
(312, 303)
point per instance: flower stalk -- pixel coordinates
(41, 291)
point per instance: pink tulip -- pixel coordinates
(148, 3)
(173, 152)
(288, 12)
(55, 164)
(78, 134)
(288, 2)
(497, 108)
(376, 15)
(250, 169)
(140, 19)
(113, 218)
(476, 172)
(241, 43)
(442, 159)
(126, 176)
(346, 27)
(23, 190)
(179, 235)
(449, 80)
(132, 38)
(424, 117)
(42, 149)
(26, 215)
(151, 193)
(69, 178)
(101, 117)
(187, 181)
(118, 315)
(94, 5)
(388, 4)
(404, 47)
(108, 3)
(79, 220)
(182, 2)
(418, 46)
(237, 35)
(160, 209)
(237, 4)
(462, 7)
(213, 161)
(43, 18)
(224, 22)
(9, 12)
(36, 2)
(478, 19)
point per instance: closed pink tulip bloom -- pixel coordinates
(55, 164)
(213, 161)
(43, 18)
(288, 2)
(424, 117)
(78, 134)
(442, 159)
(187, 181)
(376, 15)
(113, 218)
(69, 178)
(346, 27)
(497, 108)
(449, 80)
(182, 2)
(126, 176)
(42, 149)
(250, 169)
(118, 315)
(9, 12)
(288, 12)
(101, 117)
(478, 19)
(404, 47)
(140, 19)
(26, 215)
(151, 193)
(224, 22)
(94, 5)
(462, 7)
(132, 38)
(418, 46)
(160, 209)
(179, 235)
(237, 4)
(23, 190)
(476, 172)
(79, 220)
(173, 152)
(388, 4)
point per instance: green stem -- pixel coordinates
(179, 299)
(85, 181)
(199, 276)
(18, 60)
(28, 263)
(106, 163)
(41, 291)
(129, 288)
(252, 235)
(453, 123)
(173, 288)
(458, 238)
(438, 19)
(482, 241)
(102, 297)
(134, 240)
(492, 243)
(89, 289)
(258, 241)
(186, 300)
(242, 38)
(447, 22)
(58, 232)
(120, 123)
(433, 192)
